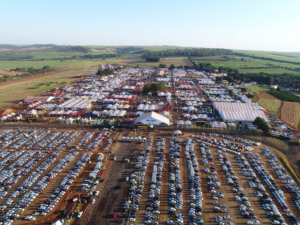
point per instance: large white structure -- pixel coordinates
(152, 118)
(238, 112)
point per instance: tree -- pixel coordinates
(104, 72)
(243, 90)
(171, 67)
(162, 65)
(262, 124)
(231, 93)
(154, 88)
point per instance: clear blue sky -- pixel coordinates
(236, 24)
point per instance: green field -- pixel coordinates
(12, 93)
(272, 105)
(57, 64)
(259, 88)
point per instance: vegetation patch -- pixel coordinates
(285, 96)
(47, 84)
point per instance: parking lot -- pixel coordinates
(41, 169)
(91, 177)
(202, 179)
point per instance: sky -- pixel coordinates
(272, 25)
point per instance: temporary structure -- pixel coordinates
(152, 118)
(235, 112)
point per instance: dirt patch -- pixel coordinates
(7, 111)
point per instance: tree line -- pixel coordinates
(266, 58)
(284, 80)
(285, 96)
(187, 52)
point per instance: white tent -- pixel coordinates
(177, 132)
(57, 223)
(234, 112)
(152, 118)
(216, 124)
(69, 120)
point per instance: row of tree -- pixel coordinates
(187, 52)
(31, 70)
(285, 79)
(152, 59)
(266, 58)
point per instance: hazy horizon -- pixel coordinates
(248, 25)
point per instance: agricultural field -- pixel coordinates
(290, 113)
(273, 63)
(259, 88)
(15, 91)
(272, 105)
(285, 96)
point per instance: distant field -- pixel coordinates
(248, 64)
(270, 71)
(16, 91)
(66, 64)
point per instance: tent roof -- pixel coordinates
(152, 115)
(57, 223)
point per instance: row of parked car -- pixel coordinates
(97, 140)
(196, 195)
(175, 186)
(45, 139)
(214, 143)
(137, 179)
(213, 184)
(234, 138)
(153, 204)
(36, 138)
